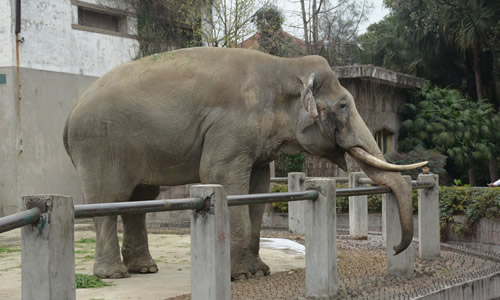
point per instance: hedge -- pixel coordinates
(473, 203)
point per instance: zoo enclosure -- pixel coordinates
(48, 244)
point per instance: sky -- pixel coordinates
(293, 22)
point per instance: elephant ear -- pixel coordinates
(308, 98)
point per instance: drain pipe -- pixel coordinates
(19, 139)
(18, 73)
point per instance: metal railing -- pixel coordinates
(20, 219)
(210, 217)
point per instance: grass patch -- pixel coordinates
(86, 257)
(82, 251)
(9, 250)
(86, 241)
(161, 259)
(84, 281)
(445, 271)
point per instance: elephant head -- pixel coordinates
(329, 125)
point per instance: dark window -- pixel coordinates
(91, 18)
(384, 140)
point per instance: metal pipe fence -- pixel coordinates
(209, 223)
(20, 219)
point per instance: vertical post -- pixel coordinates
(428, 218)
(296, 222)
(48, 256)
(358, 209)
(210, 257)
(321, 243)
(401, 264)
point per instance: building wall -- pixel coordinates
(7, 37)
(32, 156)
(8, 145)
(378, 104)
(51, 44)
(56, 64)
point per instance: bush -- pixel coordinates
(473, 203)
(436, 160)
(287, 163)
(280, 207)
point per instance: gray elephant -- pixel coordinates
(212, 115)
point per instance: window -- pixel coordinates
(100, 19)
(384, 140)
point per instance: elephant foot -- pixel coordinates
(256, 266)
(115, 271)
(140, 264)
(239, 272)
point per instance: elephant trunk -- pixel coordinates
(373, 163)
(402, 192)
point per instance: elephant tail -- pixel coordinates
(65, 139)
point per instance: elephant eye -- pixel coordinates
(343, 105)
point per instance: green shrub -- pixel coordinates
(280, 207)
(473, 203)
(287, 163)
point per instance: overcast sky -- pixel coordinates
(291, 9)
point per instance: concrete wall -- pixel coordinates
(8, 144)
(32, 156)
(50, 42)
(378, 104)
(7, 33)
(57, 63)
(485, 232)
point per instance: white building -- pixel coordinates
(50, 52)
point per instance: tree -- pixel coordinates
(453, 43)
(170, 24)
(452, 124)
(466, 25)
(269, 21)
(339, 25)
(333, 21)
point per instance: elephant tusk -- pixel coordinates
(371, 160)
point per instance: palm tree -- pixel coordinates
(467, 25)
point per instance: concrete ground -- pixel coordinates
(170, 250)
(361, 266)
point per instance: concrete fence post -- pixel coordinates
(320, 236)
(403, 263)
(358, 209)
(296, 222)
(48, 256)
(428, 218)
(210, 257)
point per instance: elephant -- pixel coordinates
(212, 116)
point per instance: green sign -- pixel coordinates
(3, 79)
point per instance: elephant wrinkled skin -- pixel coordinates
(211, 115)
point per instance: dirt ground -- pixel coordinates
(170, 251)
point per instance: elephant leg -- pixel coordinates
(259, 183)
(234, 176)
(135, 249)
(99, 189)
(108, 263)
